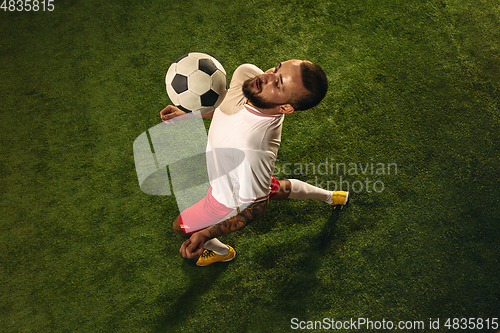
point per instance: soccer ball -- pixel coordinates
(196, 81)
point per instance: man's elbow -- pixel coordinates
(255, 211)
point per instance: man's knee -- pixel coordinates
(176, 225)
(284, 190)
(285, 186)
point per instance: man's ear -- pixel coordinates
(286, 109)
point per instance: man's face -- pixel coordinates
(277, 86)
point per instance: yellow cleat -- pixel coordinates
(340, 199)
(209, 257)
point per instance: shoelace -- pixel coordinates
(207, 254)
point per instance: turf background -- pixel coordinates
(415, 83)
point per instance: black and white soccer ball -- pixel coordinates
(196, 81)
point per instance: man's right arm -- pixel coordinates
(238, 221)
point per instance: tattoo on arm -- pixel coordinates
(238, 221)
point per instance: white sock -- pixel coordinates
(217, 246)
(302, 190)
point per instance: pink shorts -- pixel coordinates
(209, 211)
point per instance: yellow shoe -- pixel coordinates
(340, 199)
(209, 257)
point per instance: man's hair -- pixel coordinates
(316, 83)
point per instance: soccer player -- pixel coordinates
(243, 142)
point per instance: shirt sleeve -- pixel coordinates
(243, 73)
(234, 100)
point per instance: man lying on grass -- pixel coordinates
(243, 142)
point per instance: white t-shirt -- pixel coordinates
(242, 146)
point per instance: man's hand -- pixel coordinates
(170, 112)
(193, 247)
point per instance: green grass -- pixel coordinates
(415, 83)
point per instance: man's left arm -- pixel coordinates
(170, 112)
(193, 247)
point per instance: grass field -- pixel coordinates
(412, 83)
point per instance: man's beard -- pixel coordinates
(254, 98)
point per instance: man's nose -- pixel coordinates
(267, 77)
